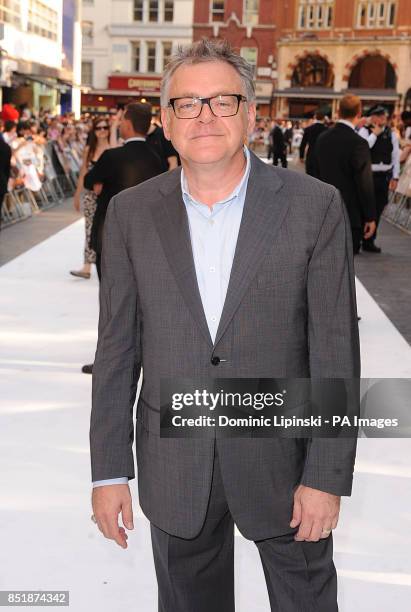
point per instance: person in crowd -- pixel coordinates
(278, 145)
(10, 131)
(288, 135)
(98, 142)
(342, 158)
(29, 157)
(385, 158)
(5, 166)
(311, 133)
(121, 168)
(163, 147)
(175, 300)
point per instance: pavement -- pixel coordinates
(48, 329)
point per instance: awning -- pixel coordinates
(47, 82)
(327, 93)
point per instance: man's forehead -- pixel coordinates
(209, 78)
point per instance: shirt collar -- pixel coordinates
(233, 194)
(135, 138)
(351, 125)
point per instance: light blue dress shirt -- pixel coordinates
(213, 232)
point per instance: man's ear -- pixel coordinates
(165, 122)
(251, 114)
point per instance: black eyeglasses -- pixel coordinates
(101, 127)
(225, 105)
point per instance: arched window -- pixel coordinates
(312, 71)
(373, 72)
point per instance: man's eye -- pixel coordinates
(186, 106)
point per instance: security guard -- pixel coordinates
(385, 158)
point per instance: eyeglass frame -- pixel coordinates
(240, 98)
(98, 128)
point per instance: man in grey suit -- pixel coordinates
(226, 268)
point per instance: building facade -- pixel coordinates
(126, 44)
(251, 28)
(33, 73)
(328, 48)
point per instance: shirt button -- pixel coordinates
(214, 319)
(211, 221)
(212, 269)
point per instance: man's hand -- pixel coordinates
(316, 512)
(377, 129)
(393, 184)
(369, 229)
(98, 188)
(108, 501)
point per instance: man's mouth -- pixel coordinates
(205, 136)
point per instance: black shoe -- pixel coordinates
(371, 248)
(87, 369)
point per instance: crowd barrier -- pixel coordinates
(59, 182)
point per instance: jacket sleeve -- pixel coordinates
(361, 164)
(304, 142)
(334, 350)
(117, 361)
(100, 172)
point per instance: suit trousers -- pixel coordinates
(381, 189)
(197, 575)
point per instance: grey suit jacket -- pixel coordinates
(290, 311)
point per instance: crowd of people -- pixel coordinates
(44, 157)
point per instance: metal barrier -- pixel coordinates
(59, 183)
(21, 203)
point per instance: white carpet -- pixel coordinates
(48, 326)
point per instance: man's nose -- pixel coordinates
(206, 114)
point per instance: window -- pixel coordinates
(153, 10)
(168, 10)
(217, 10)
(372, 14)
(135, 56)
(42, 20)
(315, 14)
(250, 14)
(10, 12)
(87, 32)
(87, 73)
(250, 55)
(151, 56)
(312, 71)
(167, 50)
(138, 10)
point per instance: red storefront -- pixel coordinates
(122, 89)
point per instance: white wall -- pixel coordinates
(31, 47)
(115, 30)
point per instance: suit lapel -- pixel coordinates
(170, 218)
(264, 210)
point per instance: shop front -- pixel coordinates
(122, 89)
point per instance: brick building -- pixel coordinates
(330, 47)
(250, 27)
(309, 53)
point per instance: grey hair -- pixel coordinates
(207, 50)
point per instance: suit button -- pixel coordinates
(215, 360)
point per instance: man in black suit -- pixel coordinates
(122, 167)
(278, 145)
(342, 158)
(5, 159)
(311, 133)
